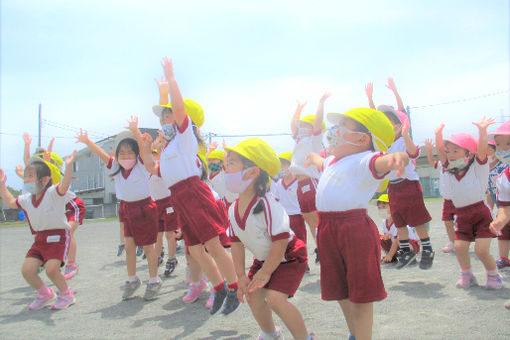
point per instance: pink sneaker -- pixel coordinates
(494, 282)
(449, 248)
(210, 300)
(64, 300)
(43, 300)
(194, 291)
(71, 270)
(278, 336)
(466, 280)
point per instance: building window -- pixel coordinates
(75, 166)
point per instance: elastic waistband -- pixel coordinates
(471, 206)
(398, 180)
(145, 200)
(163, 200)
(324, 215)
(48, 232)
(184, 183)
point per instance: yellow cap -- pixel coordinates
(55, 159)
(202, 157)
(384, 198)
(191, 107)
(375, 121)
(56, 175)
(383, 185)
(287, 155)
(216, 154)
(310, 119)
(260, 153)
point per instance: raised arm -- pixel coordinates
(391, 85)
(430, 146)
(482, 125)
(68, 174)
(175, 93)
(410, 146)
(50, 146)
(19, 171)
(146, 154)
(7, 197)
(441, 153)
(319, 115)
(133, 127)
(394, 161)
(369, 90)
(26, 153)
(83, 137)
(296, 116)
(163, 90)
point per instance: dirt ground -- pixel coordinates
(420, 304)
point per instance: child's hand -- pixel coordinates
(82, 137)
(405, 129)
(325, 96)
(429, 144)
(168, 67)
(3, 178)
(301, 104)
(242, 287)
(163, 87)
(387, 259)
(132, 124)
(496, 226)
(70, 159)
(224, 144)
(439, 129)
(398, 161)
(391, 84)
(314, 159)
(27, 138)
(260, 279)
(484, 123)
(19, 171)
(112, 153)
(213, 146)
(369, 89)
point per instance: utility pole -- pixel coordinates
(408, 111)
(40, 122)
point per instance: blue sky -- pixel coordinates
(92, 64)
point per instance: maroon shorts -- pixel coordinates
(198, 211)
(407, 205)
(505, 233)
(75, 210)
(167, 218)
(386, 245)
(473, 222)
(288, 275)
(448, 211)
(350, 251)
(140, 220)
(50, 245)
(298, 226)
(306, 195)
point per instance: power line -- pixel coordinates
(462, 100)
(18, 135)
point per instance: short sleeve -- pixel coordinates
(503, 185)
(416, 154)
(23, 200)
(371, 158)
(112, 165)
(277, 220)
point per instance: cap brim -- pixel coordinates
(158, 109)
(122, 136)
(34, 159)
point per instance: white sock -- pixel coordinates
(132, 279)
(154, 280)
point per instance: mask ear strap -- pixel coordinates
(376, 147)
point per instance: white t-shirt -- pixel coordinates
(286, 195)
(348, 183)
(503, 185)
(258, 231)
(178, 159)
(410, 170)
(471, 187)
(47, 213)
(443, 188)
(135, 186)
(393, 230)
(218, 183)
(303, 148)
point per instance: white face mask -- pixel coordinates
(31, 188)
(284, 172)
(504, 156)
(335, 136)
(383, 213)
(459, 164)
(235, 182)
(169, 131)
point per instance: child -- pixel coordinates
(468, 173)
(307, 132)
(347, 238)
(448, 214)
(389, 237)
(261, 225)
(496, 167)
(137, 211)
(44, 206)
(215, 163)
(500, 225)
(192, 199)
(405, 192)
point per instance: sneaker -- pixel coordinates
(194, 291)
(162, 255)
(494, 282)
(449, 248)
(219, 299)
(466, 280)
(405, 257)
(170, 266)
(64, 300)
(121, 249)
(139, 250)
(210, 300)
(130, 289)
(312, 336)
(316, 251)
(232, 303)
(43, 300)
(351, 337)
(502, 263)
(152, 290)
(71, 270)
(279, 335)
(427, 258)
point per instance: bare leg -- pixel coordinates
(152, 259)
(359, 317)
(346, 306)
(289, 314)
(171, 242)
(130, 256)
(421, 230)
(450, 230)
(121, 236)
(195, 272)
(206, 263)
(312, 219)
(29, 270)
(504, 248)
(261, 311)
(482, 246)
(71, 255)
(53, 271)
(159, 243)
(462, 252)
(222, 258)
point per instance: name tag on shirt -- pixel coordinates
(305, 188)
(53, 239)
(169, 210)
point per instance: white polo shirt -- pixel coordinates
(303, 148)
(258, 231)
(410, 170)
(178, 159)
(393, 230)
(286, 195)
(218, 183)
(132, 185)
(348, 183)
(503, 185)
(471, 187)
(49, 212)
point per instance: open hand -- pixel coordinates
(429, 144)
(439, 129)
(301, 104)
(168, 67)
(369, 89)
(325, 96)
(391, 84)
(82, 137)
(399, 161)
(260, 279)
(3, 178)
(27, 138)
(132, 124)
(163, 87)
(70, 159)
(484, 123)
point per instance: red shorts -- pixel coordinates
(50, 245)
(386, 245)
(167, 218)
(298, 226)
(407, 205)
(306, 195)
(198, 211)
(505, 233)
(448, 211)
(140, 220)
(350, 251)
(75, 210)
(288, 275)
(473, 222)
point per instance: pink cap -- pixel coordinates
(491, 142)
(503, 130)
(402, 117)
(323, 153)
(387, 109)
(464, 140)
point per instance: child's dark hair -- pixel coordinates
(133, 145)
(284, 161)
(203, 169)
(493, 147)
(259, 185)
(362, 128)
(41, 171)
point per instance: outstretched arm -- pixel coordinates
(391, 85)
(410, 146)
(68, 174)
(319, 115)
(133, 127)
(296, 116)
(83, 137)
(175, 93)
(394, 161)
(7, 197)
(482, 125)
(441, 153)
(429, 146)
(26, 153)
(369, 90)
(163, 90)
